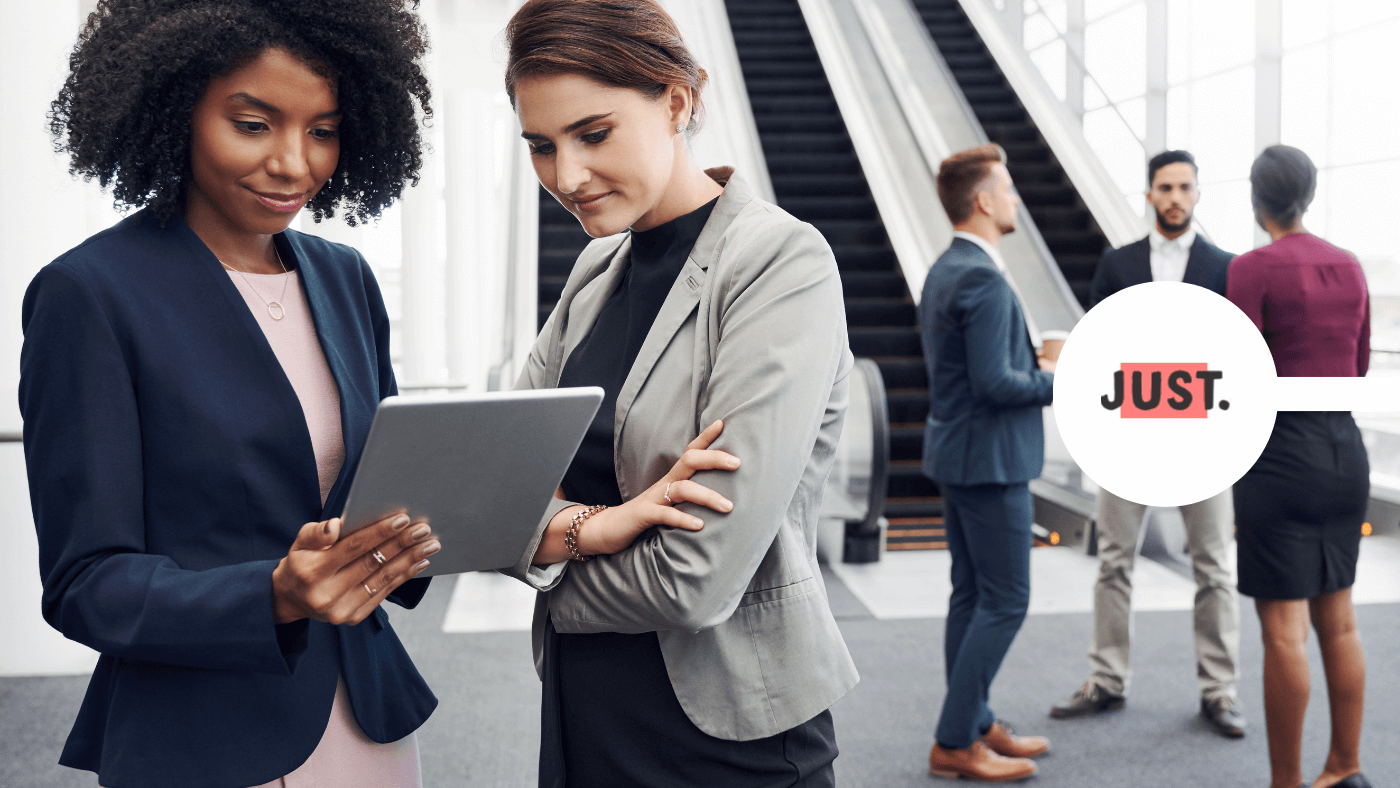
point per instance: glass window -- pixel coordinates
(1304, 21)
(1226, 215)
(1364, 114)
(1050, 60)
(1352, 14)
(1113, 50)
(1221, 35)
(1306, 76)
(1117, 147)
(1362, 220)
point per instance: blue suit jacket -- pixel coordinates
(170, 468)
(985, 424)
(1121, 268)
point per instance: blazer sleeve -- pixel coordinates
(781, 354)
(988, 307)
(410, 593)
(83, 451)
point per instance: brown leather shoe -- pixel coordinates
(1003, 741)
(978, 762)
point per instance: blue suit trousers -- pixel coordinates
(989, 537)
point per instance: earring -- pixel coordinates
(680, 127)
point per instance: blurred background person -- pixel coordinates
(691, 656)
(1299, 510)
(1172, 252)
(197, 383)
(984, 442)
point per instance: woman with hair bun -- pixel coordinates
(197, 383)
(685, 653)
(1299, 510)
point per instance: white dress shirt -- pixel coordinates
(1169, 257)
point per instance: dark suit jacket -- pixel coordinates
(985, 424)
(170, 468)
(1131, 265)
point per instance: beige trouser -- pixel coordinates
(1217, 612)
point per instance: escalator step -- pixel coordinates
(903, 372)
(906, 442)
(885, 341)
(907, 480)
(871, 284)
(867, 257)
(814, 185)
(830, 207)
(866, 312)
(782, 163)
(809, 142)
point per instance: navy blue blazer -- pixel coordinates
(170, 468)
(1129, 265)
(986, 388)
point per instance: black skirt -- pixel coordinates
(611, 718)
(1299, 510)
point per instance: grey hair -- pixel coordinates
(1284, 181)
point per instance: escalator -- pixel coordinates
(817, 178)
(1074, 239)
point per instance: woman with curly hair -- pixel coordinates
(197, 383)
(692, 656)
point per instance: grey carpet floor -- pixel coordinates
(485, 731)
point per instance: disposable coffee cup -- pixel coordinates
(1051, 343)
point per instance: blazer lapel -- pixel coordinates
(255, 342)
(580, 304)
(1194, 263)
(359, 393)
(1140, 265)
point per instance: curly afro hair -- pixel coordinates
(140, 66)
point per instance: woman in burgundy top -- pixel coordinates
(1299, 509)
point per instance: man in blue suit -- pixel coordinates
(984, 442)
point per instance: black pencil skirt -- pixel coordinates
(611, 718)
(1299, 510)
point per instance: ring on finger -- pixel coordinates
(369, 590)
(666, 493)
(378, 556)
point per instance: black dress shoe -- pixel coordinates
(1357, 780)
(1088, 699)
(1224, 716)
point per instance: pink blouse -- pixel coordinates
(346, 757)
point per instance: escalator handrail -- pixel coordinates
(880, 448)
(905, 48)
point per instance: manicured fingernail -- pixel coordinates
(400, 522)
(420, 532)
(431, 547)
(733, 463)
(420, 566)
(697, 522)
(326, 528)
(727, 505)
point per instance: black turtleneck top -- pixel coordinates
(605, 356)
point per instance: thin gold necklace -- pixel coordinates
(274, 308)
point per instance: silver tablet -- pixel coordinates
(480, 467)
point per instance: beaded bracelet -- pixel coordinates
(571, 535)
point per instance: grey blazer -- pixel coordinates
(754, 332)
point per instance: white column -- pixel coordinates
(1268, 81)
(1074, 57)
(1155, 50)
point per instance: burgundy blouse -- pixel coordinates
(1309, 300)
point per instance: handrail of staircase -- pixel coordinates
(730, 136)
(11, 437)
(938, 113)
(1093, 182)
(895, 170)
(855, 489)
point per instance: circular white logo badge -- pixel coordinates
(1164, 394)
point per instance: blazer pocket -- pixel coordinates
(799, 588)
